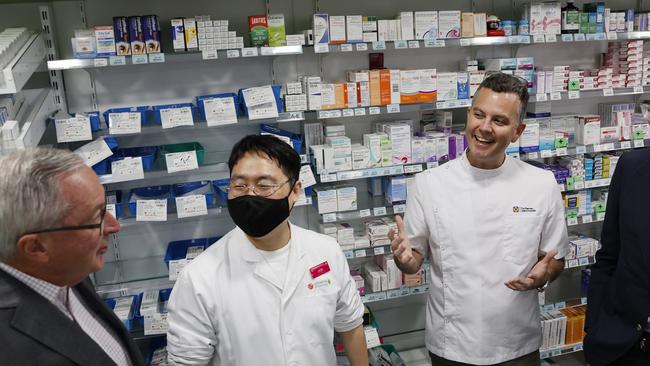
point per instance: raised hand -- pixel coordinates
(400, 244)
(536, 278)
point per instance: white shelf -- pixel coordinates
(586, 219)
(32, 117)
(579, 262)
(393, 294)
(18, 71)
(558, 351)
(564, 304)
(156, 175)
(584, 94)
(367, 252)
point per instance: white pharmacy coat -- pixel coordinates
(225, 310)
(481, 228)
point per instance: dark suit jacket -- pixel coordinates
(619, 292)
(34, 332)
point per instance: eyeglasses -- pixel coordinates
(99, 226)
(261, 190)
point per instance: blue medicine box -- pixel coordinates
(277, 93)
(104, 166)
(147, 153)
(195, 188)
(129, 320)
(149, 193)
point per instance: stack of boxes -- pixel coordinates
(377, 231)
(214, 35)
(553, 329)
(626, 60)
(295, 100)
(544, 18)
(592, 19)
(582, 246)
(520, 66)
(575, 324)
(336, 199)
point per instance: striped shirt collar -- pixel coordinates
(57, 295)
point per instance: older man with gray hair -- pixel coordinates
(54, 233)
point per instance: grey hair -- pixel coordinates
(504, 83)
(30, 197)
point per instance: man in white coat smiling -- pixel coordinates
(493, 228)
(268, 292)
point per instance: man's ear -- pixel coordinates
(520, 129)
(30, 247)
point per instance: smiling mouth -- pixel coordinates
(482, 140)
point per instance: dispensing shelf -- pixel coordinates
(15, 75)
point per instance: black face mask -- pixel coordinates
(258, 216)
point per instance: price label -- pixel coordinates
(190, 206)
(359, 111)
(348, 254)
(157, 58)
(346, 47)
(464, 42)
(539, 38)
(94, 152)
(266, 51)
(151, 210)
(362, 47)
(598, 148)
(429, 43)
(399, 209)
(127, 169)
(321, 48)
(139, 59)
(581, 150)
(175, 117)
(329, 217)
(612, 36)
(393, 108)
(249, 52)
(574, 94)
(567, 38)
(181, 161)
(328, 178)
(400, 45)
(513, 39)
(335, 113)
(608, 146)
(608, 92)
(410, 169)
(541, 97)
(579, 37)
(533, 155)
(638, 89)
(639, 143)
(232, 54)
(360, 253)
(572, 221)
(306, 176)
(572, 263)
(414, 44)
(587, 219)
(379, 211)
(379, 46)
(100, 62)
(600, 36)
(524, 39)
(364, 213)
(579, 185)
(124, 123)
(220, 111)
(556, 96)
(73, 129)
(583, 261)
(209, 54)
(546, 153)
(550, 38)
(600, 216)
(156, 324)
(348, 113)
(432, 164)
(176, 266)
(110, 208)
(626, 145)
(561, 151)
(374, 110)
(379, 250)
(117, 60)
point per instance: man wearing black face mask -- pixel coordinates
(268, 292)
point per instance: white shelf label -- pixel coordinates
(176, 266)
(124, 123)
(400, 45)
(572, 221)
(541, 97)
(393, 108)
(330, 217)
(127, 169)
(94, 152)
(379, 46)
(306, 176)
(612, 36)
(626, 145)
(579, 185)
(348, 113)
(175, 117)
(533, 155)
(209, 54)
(586, 219)
(410, 169)
(539, 38)
(581, 150)
(414, 44)
(359, 111)
(190, 206)
(550, 38)
(266, 51)
(232, 54)
(328, 178)
(598, 148)
(399, 209)
(220, 111)
(584, 261)
(321, 48)
(464, 42)
(567, 38)
(249, 52)
(348, 254)
(110, 208)
(432, 164)
(574, 94)
(379, 250)
(513, 39)
(372, 337)
(346, 47)
(156, 324)
(556, 96)
(600, 36)
(139, 59)
(561, 151)
(362, 47)
(429, 43)
(374, 110)
(638, 89)
(181, 161)
(608, 146)
(572, 263)
(579, 37)
(157, 58)
(608, 92)
(117, 60)
(360, 253)
(600, 216)
(151, 210)
(639, 143)
(379, 211)
(100, 62)
(365, 213)
(546, 153)
(73, 129)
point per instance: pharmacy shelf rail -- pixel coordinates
(393, 294)
(579, 262)
(559, 351)
(564, 304)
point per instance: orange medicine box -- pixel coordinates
(375, 87)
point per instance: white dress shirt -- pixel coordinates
(479, 229)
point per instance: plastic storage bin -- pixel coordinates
(195, 188)
(176, 148)
(163, 296)
(277, 92)
(155, 111)
(201, 106)
(296, 140)
(104, 166)
(149, 193)
(141, 109)
(147, 153)
(220, 188)
(178, 249)
(129, 323)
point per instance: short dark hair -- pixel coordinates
(504, 83)
(277, 150)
